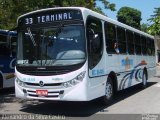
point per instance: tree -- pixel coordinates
(154, 28)
(11, 9)
(107, 5)
(144, 27)
(129, 16)
(156, 13)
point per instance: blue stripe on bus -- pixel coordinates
(5, 33)
(7, 64)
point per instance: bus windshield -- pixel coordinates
(52, 46)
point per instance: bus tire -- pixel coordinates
(144, 79)
(109, 92)
(1, 81)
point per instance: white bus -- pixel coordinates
(75, 54)
(7, 58)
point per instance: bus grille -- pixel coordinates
(51, 94)
(44, 73)
(46, 85)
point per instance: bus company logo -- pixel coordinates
(127, 63)
(41, 83)
(97, 72)
(28, 79)
(12, 63)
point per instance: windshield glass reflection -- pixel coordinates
(56, 46)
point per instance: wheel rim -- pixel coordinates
(109, 90)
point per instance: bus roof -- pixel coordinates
(86, 12)
(5, 32)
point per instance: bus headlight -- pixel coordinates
(75, 81)
(20, 83)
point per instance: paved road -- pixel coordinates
(131, 104)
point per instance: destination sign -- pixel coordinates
(50, 16)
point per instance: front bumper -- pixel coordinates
(75, 93)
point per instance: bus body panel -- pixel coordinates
(74, 93)
(128, 68)
(97, 78)
(7, 59)
(9, 82)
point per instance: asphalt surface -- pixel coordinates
(134, 103)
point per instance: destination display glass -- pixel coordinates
(50, 16)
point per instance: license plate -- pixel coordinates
(42, 92)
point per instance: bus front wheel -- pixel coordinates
(109, 91)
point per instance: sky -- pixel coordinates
(145, 6)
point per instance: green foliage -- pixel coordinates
(156, 13)
(129, 16)
(11, 9)
(154, 29)
(108, 5)
(144, 27)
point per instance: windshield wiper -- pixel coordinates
(31, 36)
(31, 59)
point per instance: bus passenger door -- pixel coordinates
(96, 58)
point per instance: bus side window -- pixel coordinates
(95, 41)
(152, 47)
(4, 50)
(4, 46)
(13, 45)
(130, 42)
(110, 35)
(116, 47)
(121, 39)
(144, 45)
(137, 39)
(149, 49)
